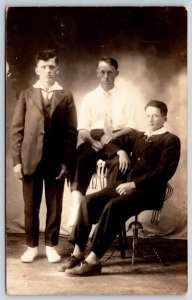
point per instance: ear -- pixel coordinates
(97, 73)
(57, 71)
(117, 73)
(36, 71)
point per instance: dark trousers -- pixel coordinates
(87, 158)
(84, 167)
(32, 192)
(109, 211)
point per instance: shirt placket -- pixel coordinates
(108, 115)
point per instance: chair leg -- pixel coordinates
(134, 246)
(122, 241)
(135, 226)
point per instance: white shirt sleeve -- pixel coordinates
(130, 122)
(85, 115)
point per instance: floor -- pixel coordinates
(149, 276)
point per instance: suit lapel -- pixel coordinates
(144, 143)
(56, 99)
(36, 96)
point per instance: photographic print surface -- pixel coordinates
(150, 45)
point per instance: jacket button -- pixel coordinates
(139, 158)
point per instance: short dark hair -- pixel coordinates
(46, 55)
(109, 60)
(159, 104)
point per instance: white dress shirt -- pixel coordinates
(97, 104)
(47, 93)
(158, 131)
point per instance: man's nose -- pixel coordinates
(150, 118)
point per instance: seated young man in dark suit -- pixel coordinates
(154, 160)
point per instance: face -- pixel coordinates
(47, 71)
(154, 118)
(106, 74)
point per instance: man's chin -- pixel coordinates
(107, 85)
(151, 128)
(49, 81)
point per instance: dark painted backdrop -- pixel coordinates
(150, 44)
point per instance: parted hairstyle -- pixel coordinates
(109, 60)
(46, 55)
(159, 104)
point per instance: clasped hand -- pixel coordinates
(98, 145)
(125, 188)
(106, 139)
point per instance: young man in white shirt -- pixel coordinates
(106, 114)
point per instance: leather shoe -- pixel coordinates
(84, 269)
(70, 263)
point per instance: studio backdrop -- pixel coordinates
(150, 44)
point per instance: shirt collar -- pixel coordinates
(54, 87)
(158, 131)
(103, 92)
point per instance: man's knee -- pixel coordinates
(110, 207)
(85, 156)
(87, 199)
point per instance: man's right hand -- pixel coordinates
(86, 137)
(17, 169)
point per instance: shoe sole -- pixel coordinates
(62, 269)
(54, 262)
(29, 261)
(91, 273)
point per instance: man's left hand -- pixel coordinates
(124, 188)
(63, 172)
(106, 139)
(124, 161)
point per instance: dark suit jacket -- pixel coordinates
(154, 162)
(28, 129)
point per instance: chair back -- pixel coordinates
(156, 213)
(99, 178)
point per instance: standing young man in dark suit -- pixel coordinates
(44, 137)
(155, 156)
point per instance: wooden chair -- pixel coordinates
(99, 181)
(135, 226)
(99, 178)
